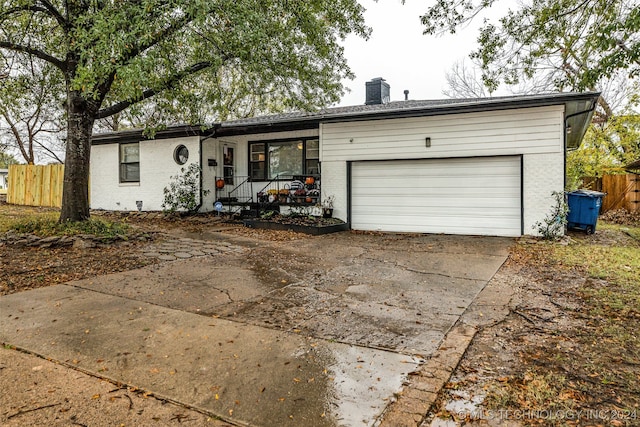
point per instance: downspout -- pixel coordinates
(590, 110)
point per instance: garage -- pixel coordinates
(475, 196)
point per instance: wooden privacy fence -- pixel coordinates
(35, 185)
(623, 191)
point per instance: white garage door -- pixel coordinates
(477, 196)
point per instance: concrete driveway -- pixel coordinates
(318, 331)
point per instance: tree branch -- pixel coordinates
(133, 52)
(168, 83)
(55, 13)
(16, 135)
(32, 8)
(36, 52)
(50, 152)
(158, 37)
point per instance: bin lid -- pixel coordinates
(587, 193)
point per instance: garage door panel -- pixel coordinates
(446, 205)
(457, 196)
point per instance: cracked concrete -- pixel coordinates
(389, 300)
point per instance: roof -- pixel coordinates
(578, 112)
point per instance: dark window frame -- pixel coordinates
(122, 164)
(265, 161)
(177, 153)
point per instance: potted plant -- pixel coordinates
(300, 195)
(327, 207)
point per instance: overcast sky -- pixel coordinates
(398, 51)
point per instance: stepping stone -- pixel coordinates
(182, 255)
(197, 253)
(167, 257)
(152, 254)
(168, 248)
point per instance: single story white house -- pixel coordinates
(458, 166)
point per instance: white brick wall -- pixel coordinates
(157, 165)
(334, 183)
(542, 175)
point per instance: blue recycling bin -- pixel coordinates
(584, 208)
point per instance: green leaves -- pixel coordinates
(606, 148)
(183, 192)
(123, 51)
(113, 54)
(576, 43)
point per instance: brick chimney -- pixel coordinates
(377, 91)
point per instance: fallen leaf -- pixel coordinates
(95, 396)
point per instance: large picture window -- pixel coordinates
(130, 162)
(273, 159)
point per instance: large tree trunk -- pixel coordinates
(75, 193)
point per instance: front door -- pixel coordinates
(228, 162)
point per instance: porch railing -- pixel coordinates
(240, 193)
(291, 190)
(234, 191)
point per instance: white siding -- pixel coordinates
(535, 133)
(520, 131)
(157, 165)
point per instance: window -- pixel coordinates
(130, 162)
(312, 162)
(228, 164)
(181, 154)
(273, 159)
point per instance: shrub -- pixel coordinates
(183, 192)
(553, 225)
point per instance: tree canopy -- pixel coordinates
(574, 44)
(113, 54)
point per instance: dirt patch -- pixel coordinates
(24, 268)
(560, 357)
(622, 216)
